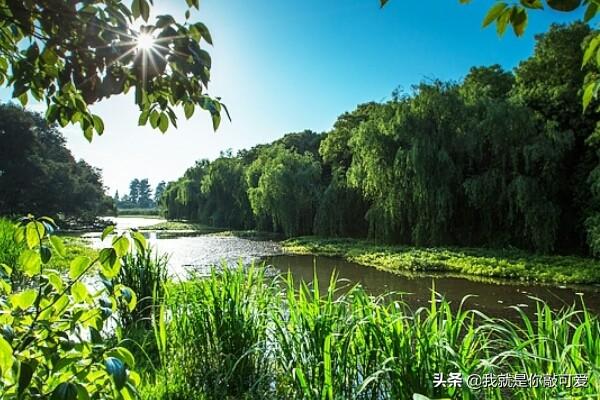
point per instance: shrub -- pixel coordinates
(53, 328)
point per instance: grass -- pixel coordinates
(239, 335)
(138, 212)
(511, 264)
(201, 229)
(182, 226)
(145, 272)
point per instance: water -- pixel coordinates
(494, 298)
(199, 253)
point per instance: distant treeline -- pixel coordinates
(39, 175)
(140, 196)
(499, 159)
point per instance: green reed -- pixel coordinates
(239, 334)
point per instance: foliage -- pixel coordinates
(74, 54)
(39, 174)
(213, 341)
(51, 342)
(472, 262)
(282, 187)
(500, 159)
(231, 336)
(139, 212)
(145, 272)
(224, 188)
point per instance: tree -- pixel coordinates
(159, 191)
(39, 174)
(144, 194)
(284, 186)
(134, 192)
(224, 189)
(72, 54)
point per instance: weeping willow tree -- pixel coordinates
(183, 198)
(499, 159)
(284, 186)
(459, 164)
(225, 191)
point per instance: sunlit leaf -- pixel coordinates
(78, 266)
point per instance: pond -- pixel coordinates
(494, 297)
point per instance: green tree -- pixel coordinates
(39, 174)
(284, 186)
(134, 192)
(144, 194)
(225, 191)
(159, 191)
(73, 54)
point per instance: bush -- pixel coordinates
(53, 327)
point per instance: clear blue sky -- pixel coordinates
(284, 66)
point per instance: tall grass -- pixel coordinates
(145, 272)
(212, 334)
(238, 334)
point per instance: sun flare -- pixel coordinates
(145, 41)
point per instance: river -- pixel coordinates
(200, 253)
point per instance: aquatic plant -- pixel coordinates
(238, 334)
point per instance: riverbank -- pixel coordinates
(510, 264)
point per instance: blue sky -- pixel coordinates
(285, 66)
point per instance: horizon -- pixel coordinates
(315, 73)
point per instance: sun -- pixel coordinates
(145, 41)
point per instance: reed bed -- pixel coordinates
(240, 335)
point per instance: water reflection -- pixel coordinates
(491, 298)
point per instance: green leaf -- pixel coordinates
(154, 117)
(24, 299)
(518, 19)
(590, 12)
(122, 354)
(116, 369)
(25, 375)
(588, 94)
(34, 232)
(65, 391)
(129, 296)
(56, 281)
(98, 124)
(144, 10)
(591, 49)
(45, 254)
(110, 262)
(78, 266)
(494, 13)
(140, 241)
(31, 262)
(107, 231)
(58, 245)
(502, 22)
(204, 32)
(79, 291)
(6, 356)
(143, 118)
(188, 109)
(533, 4)
(163, 122)
(121, 245)
(135, 8)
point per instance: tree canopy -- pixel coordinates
(499, 159)
(38, 174)
(72, 54)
